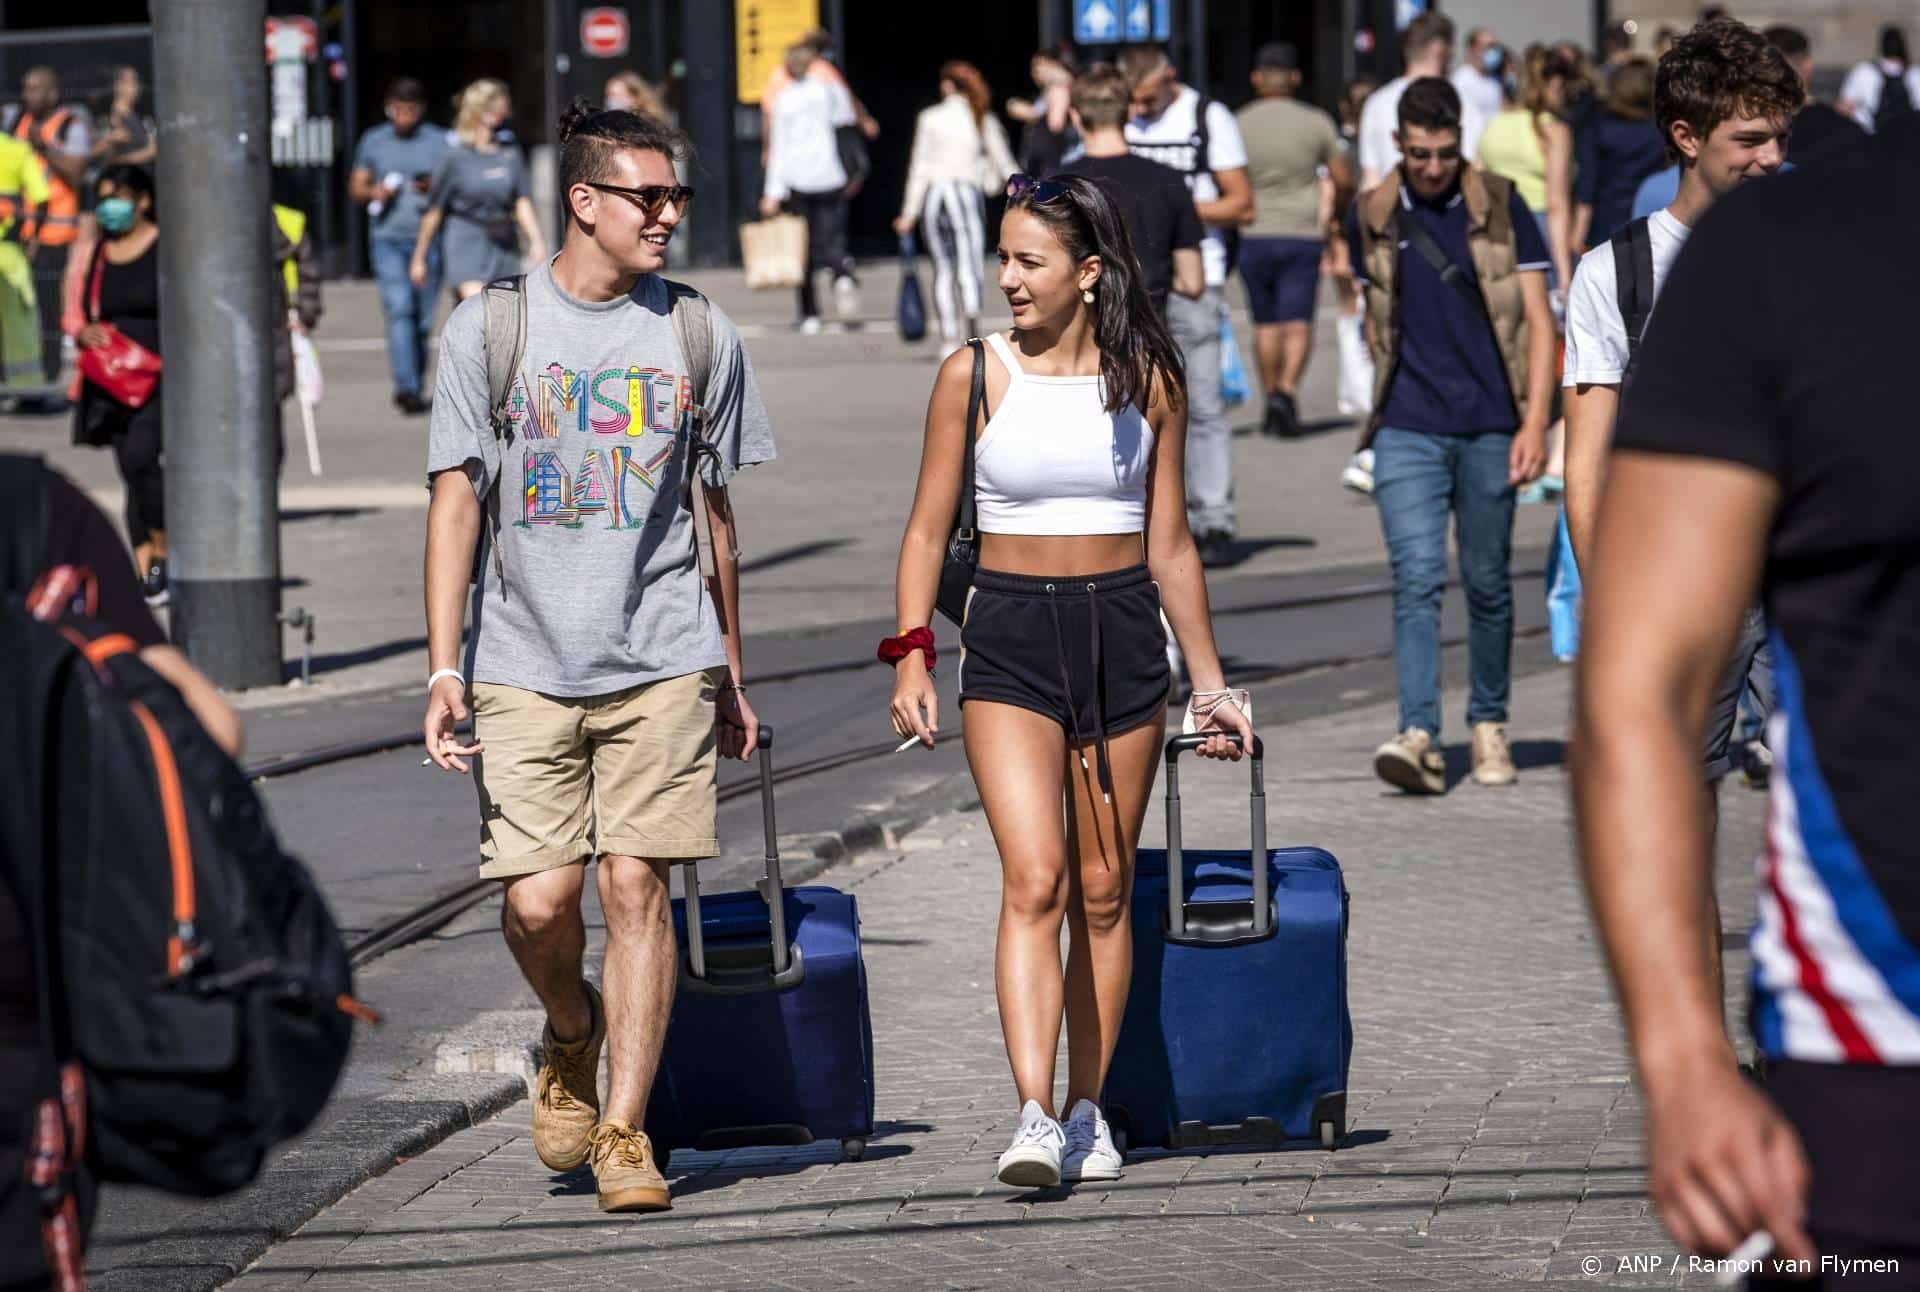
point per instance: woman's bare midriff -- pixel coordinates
(1060, 554)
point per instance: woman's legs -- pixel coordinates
(137, 452)
(1100, 841)
(1019, 760)
(943, 242)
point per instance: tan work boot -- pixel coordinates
(624, 1172)
(1492, 757)
(1410, 762)
(566, 1096)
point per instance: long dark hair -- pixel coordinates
(1135, 347)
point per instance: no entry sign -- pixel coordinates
(605, 32)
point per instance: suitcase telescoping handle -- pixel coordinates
(785, 968)
(1195, 925)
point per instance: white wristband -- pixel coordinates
(439, 673)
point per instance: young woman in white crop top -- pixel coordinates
(1063, 673)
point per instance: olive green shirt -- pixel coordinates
(1287, 144)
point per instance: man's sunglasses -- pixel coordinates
(1428, 154)
(651, 198)
(1033, 191)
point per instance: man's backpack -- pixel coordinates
(1633, 284)
(1896, 100)
(187, 967)
(506, 349)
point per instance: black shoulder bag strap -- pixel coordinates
(966, 518)
(1633, 283)
(1430, 251)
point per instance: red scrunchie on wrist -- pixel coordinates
(894, 649)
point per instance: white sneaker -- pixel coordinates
(1032, 1161)
(810, 325)
(846, 296)
(1358, 475)
(1090, 1154)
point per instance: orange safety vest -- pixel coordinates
(60, 221)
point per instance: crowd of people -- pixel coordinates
(1736, 520)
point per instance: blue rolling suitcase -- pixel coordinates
(1236, 1029)
(769, 1041)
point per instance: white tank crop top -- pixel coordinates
(1052, 460)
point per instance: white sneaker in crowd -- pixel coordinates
(846, 296)
(810, 325)
(1090, 1154)
(1358, 475)
(1032, 1161)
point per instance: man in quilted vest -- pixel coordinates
(1455, 273)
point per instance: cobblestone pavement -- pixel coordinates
(1495, 1130)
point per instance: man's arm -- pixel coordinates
(1528, 458)
(453, 532)
(1234, 206)
(739, 727)
(1656, 636)
(1590, 409)
(1189, 273)
(363, 187)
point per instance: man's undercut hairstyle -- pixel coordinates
(1718, 71)
(1790, 41)
(1138, 62)
(1422, 32)
(590, 138)
(406, 89)
(1431, 103)
(1100, 96)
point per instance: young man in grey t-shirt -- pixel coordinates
(604, 671)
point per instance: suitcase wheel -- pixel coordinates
(852, 1149)
(662, 1159)
(1328, 1135)
(1119, 1139)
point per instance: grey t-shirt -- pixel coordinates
(384, 151)
(602, 587)
(481, 187)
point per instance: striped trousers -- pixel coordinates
(956, 228)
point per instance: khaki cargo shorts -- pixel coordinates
(566, 778)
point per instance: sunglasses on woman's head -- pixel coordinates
(1027, 188)
(653, 197)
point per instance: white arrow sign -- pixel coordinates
(1097, 22)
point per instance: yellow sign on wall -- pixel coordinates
(762, 31)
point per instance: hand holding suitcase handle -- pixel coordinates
(786, 968)
(1262, 908)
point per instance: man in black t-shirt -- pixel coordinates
(1767, 445)
(1153, 199)
(1818, 127)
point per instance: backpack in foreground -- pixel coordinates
(1896, 100)
(187, 967)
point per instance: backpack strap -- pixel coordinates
(1202, 137)
(692, 318)
(505, 301)
(1633, 283)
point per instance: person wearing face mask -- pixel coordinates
(1481, 80)
(604, 672)
(121, 294)
(629, 91)
(1455, 272)
(479, 196)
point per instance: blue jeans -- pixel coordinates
(1417, 479)
(1195, 326)
(409, 309)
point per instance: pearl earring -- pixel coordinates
(1087, 296)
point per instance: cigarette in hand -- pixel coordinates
(906, 744)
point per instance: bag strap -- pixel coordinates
(1633, 283)
(692, 317)
(1202, 138)
(967, 517)
(1430, 251)
(505, 336)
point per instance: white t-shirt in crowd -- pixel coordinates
(1172, 139)
(805, 155)
(1380, 118)
(1596, 332)
(1861, 91)
(1484, 95)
